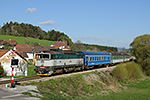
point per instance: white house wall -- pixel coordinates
(6, 62)
(30, 56)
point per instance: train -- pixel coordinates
(59, 61)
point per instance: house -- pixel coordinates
(61, 45)
(5, 60)
(13, 42)
(26, 52)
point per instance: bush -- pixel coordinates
(128, 71)
(1, 71)
(120, 73)
(134, 70)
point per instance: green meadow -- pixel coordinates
(21, 40)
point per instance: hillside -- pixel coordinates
(28, 30)
(21, 40)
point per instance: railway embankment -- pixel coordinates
(93, 84)
(98, 83)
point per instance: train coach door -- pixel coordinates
(86, 60)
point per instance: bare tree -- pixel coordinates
(22, 67)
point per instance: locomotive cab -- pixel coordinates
(42, 64)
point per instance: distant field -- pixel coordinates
(21, 40)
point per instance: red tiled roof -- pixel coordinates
(22, 45)
(14, 42)
(2, 52)
(24, 49)
(60, 43)
(42, 48)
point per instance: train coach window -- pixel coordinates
(104, 58)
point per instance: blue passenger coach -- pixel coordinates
(95, 58)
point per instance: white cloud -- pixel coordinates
(30, 10)
(49, 22)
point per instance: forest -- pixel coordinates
(28, 30)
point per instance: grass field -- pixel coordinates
(137, 91)
(21, 40)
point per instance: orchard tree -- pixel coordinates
(141, 50)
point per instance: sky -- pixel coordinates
(103, 22)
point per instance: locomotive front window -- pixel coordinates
(40, 56)
(46, 56)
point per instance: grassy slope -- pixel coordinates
(21, 40)
(98, 86)
(138, 91)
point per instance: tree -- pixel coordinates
(22, 67)
(141, 50)
(123, 50)
(1, 71)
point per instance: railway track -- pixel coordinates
(20, 80)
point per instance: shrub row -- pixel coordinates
(129, 71)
